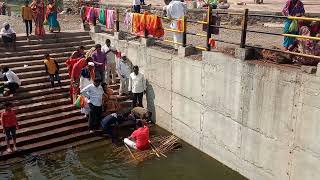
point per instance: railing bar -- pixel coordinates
(199, 22)
(304, 18)
(261, 32)
(223, 27)
(197, 34)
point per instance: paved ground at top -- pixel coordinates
(311, 6)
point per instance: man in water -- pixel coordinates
(139, 139)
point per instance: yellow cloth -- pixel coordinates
(51, 65)
(26, 13)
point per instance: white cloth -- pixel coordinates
(86, 109)
(7, 33)
(12, 77)
(123, 69)
(84, 82)
(94, 94)
(177, 37)
(124, 83)
(137, 83)
(175, 10)
(108, 51)
(136, 2)
(130, 143)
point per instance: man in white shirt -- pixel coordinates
(8, 36)
(12, 80)
(111, 63)
(94, 93)
(124, 71)
(136, 4)
(175, 9)
(137, 85)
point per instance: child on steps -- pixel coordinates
(9, 125)
(52, 69)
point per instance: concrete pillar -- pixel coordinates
(186, 51)
(309, 69)
(147, 42)
(244, 53)
(318, 70)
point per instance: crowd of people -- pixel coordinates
(37, 12)
(92, 73)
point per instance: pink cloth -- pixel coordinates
(110, 18)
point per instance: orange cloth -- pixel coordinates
(212, 43)
(147, 22)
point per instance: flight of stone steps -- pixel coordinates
(47, 118)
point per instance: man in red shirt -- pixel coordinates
(9, 125)
(139, 139)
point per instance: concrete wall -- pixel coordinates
(259, 120)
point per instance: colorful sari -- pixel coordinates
(52, 18)
(38, 12)
(75, 78)
(291, 9)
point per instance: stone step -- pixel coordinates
(49, 118)
(47, 127)
(28, 48)
(67, 135)
(20, 43)
(35, 93)
(29, 58)
(45, 85)
(65, 34)
(79, 143)
(24, 75)
(41, 79)
(45, 112)
(40, 99)
(45, 51)
(40, 66)
(42, 105)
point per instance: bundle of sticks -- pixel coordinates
(159, 146)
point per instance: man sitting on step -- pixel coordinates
(8, 36)
(12, 81)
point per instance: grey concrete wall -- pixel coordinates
(259, 120)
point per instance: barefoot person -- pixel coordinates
(9, 125)
(26, 13)
(137, 86)
(38, 14)
(139, 139)
(52, 16)
(52, 69)
(12, 81)
(94, 93)
(8, 36)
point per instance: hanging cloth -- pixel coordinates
(128, 20)
(110, 17)
(102, 17)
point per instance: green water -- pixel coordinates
(98, 161)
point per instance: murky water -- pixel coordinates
(99, 161)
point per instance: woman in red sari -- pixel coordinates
(75, 77)
(75, 56)
(37, 7)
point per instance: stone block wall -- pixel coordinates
(262, 121)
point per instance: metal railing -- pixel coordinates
(245, 15)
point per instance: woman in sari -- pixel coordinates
(308, 47)
(292, 8)
(52, 16)
(37, 7)
(75, 77)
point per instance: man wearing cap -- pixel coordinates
(8, 36)
(124, 68)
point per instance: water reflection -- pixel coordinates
(101, 161)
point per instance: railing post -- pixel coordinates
(209, 33)
(184, 33)
(117, 20)
(244, 29)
